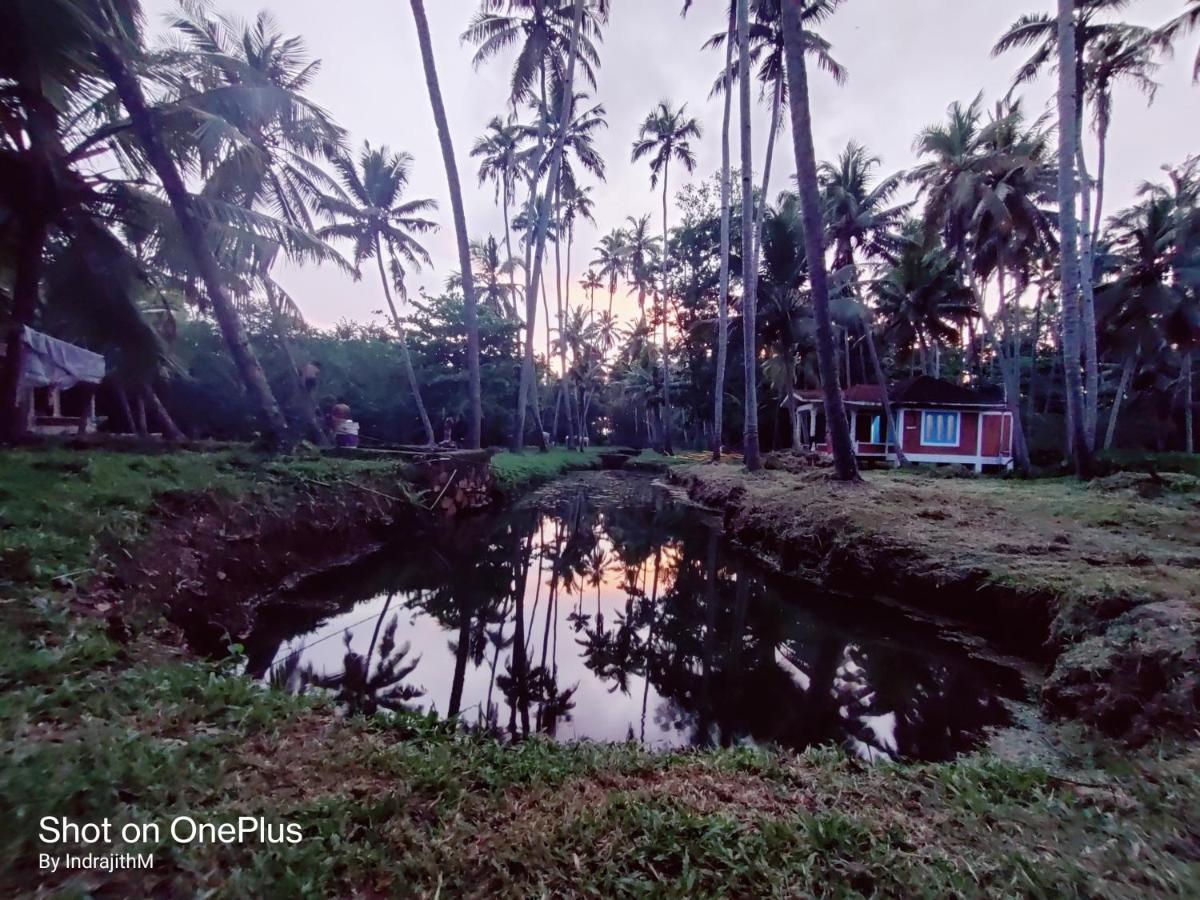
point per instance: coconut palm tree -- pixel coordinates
(726, 191)
(264, 156)
(750, 449)
(119, 53)
(494, 292)
(666, 135)
(1068, 144)
(612, 260)
(1181, 26)
(782, 282)
(641, 252)
(549, 50)
(1094, 39)
(845, 465)
(475, 420)
(921, 297)
(1134, 306)
(859, 214)
(379, 224)
(503, 161)
(591, 282)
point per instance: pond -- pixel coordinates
(604, 608)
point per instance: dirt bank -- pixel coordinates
(1102, 582)
(207, 557)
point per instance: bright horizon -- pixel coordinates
(905, 69)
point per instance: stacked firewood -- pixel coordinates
(459, 481)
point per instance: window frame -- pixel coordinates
(926, 414)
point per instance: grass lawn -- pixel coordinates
(142, 731)
(1127, 536)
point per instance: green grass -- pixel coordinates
(57, 505)
(91, 728)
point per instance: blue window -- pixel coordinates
(876, 428)
(940, 429)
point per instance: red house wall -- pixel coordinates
(968, 435)
(998, 435)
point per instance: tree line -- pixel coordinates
(171, 179)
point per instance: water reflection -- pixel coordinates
(603, 610)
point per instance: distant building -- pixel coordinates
(938, 422)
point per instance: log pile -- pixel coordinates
(457, 481)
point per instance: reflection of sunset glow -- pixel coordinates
(611, 619)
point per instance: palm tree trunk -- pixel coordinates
(405, 359)
(172, 431)
(126, 409)
(248, 367)
(893, 424)
(25, 296)
(789, 385)
(308, 410)
(1189, 434)
(749, 272)
(666, 345)
(760, 214)
(1101, 162)
(845, 465)
(33, 216)
(1010, 368)
(1126, 374)
(1031, 404)
(512, 272)
(723, 299)
(475, 422)
(1068, 142)
(1087, 286)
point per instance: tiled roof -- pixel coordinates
(923, 390)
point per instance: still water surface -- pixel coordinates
(601, 608)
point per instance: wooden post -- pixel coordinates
(89, 410)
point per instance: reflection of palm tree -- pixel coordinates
(363, 691)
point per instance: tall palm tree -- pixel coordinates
(767, 52)
(726, 191)
(119, 53)
(921, 298)
(475, 421)
(1094, 38)
(379, 223)
(591, 282)
(859, 214)
(750, 449)
(859, 211)
(641, 250)
(612, 261)
(1136, 304)
(493, 291)
(550, 49)
(1068, 143)
(502, 160)
(782, 282)
(1180, 26)
(845, 465)
(271, 164)
(666, 134)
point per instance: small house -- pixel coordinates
(54, 371)
(938, 421)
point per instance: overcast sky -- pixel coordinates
(908, 60)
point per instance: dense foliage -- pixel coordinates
(951, 268)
